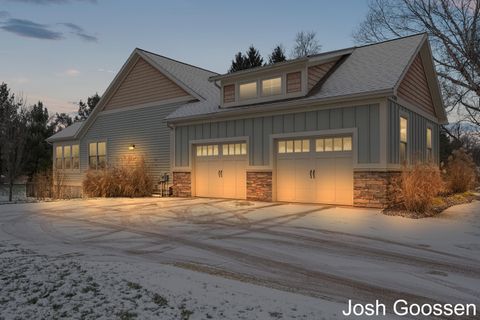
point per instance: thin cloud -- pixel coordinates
(69, 73)
(30, 29)
(105, 70)
(44, 2)
(79, 32)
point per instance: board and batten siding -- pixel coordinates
(144, 127)
(258, 129)
(417, 135)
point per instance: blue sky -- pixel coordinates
(60, 51)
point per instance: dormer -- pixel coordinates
(280, 81)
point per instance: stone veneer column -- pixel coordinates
(259, 186)
(182, 184)
(375, 189)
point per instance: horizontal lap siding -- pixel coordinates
(417, 133)
(145, 128)
(259, 129)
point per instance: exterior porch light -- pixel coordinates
(131, 147)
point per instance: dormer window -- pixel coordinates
(248, 90)
(271, 86)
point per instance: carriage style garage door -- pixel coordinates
(220, 170)
(315, 170)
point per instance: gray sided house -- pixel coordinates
(330, 128)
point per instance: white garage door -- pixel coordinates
(220, 170)
(315, 170)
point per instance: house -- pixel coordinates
(332, 128)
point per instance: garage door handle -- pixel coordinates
(218, 173)
(310, 174)
(313, 173)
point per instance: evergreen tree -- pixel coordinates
(250, 59)
(278, 55)
(238, 63)
(60, 121)
(84, 109)
(254, 59)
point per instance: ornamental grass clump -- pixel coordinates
(130, 179)
(460, 172)
(419, 185)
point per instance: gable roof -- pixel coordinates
(192, 79)
(67, 133)
(374, 69)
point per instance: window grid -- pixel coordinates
(67, 157)
(294, 146)
(234, 149)
(97, 155)
(336, 144)
(207, 150)
(272, 86)
(403, 139)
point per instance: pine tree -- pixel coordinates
(60, 121)
(254, 59)
(278, 55)
(238, 63)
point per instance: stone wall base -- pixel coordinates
(259, 186)
(375, 189)
(182, 184)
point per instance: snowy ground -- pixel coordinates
(219, 259)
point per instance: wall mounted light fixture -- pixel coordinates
(131, 147)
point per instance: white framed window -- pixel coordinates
(75, 156)
(234, 149)
(403, 150)
(272, 86)
(429, 144)
(335, 144)
(67, 157)
(207, 150)
(294, 146)
(97, 155)
(247, 90)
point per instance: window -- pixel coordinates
(248, 90)
(333, 144)
(272, 86)
(403, 139)
(429, 145)
(234, 149)
(76, 156)
(294, 146)
(97, 155)
(59, 157)
(207, 150)
(67, 157)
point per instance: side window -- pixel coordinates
(403, 139)
(97, 155)
(59, 157)
(429, 145)
(67, 157)
(76, 156)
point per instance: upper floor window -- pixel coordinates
(403, 139)
(97, 155)
(248, 90)
(271, 86)
(429, 145)
(67, 157)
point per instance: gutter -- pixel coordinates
(280, 106)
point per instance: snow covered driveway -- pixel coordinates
(239, 259)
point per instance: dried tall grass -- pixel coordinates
(419, 185)
(461, 172)
(50, 184)
(128, 179)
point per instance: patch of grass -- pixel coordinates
(32, 300)
(134, 286)
(185, 314)
(126, 315)
(160, 300)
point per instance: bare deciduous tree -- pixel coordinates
(454, 30)
(305, 44)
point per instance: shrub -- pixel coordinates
(129, 179)
(461, 172)
(49, 184)
(419, 185)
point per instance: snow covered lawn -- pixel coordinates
(215, 259)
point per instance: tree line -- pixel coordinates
(23, 133)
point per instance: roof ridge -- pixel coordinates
(177, 61)
(390, 40)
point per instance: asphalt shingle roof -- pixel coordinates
(67, 133)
